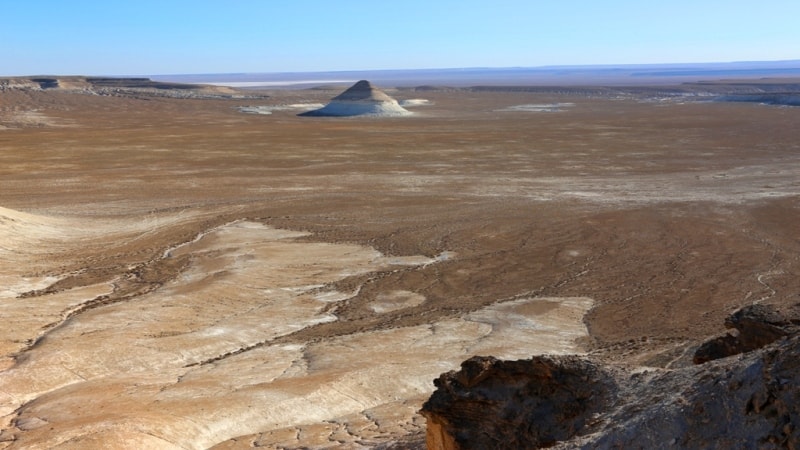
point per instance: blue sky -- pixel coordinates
(146, 37)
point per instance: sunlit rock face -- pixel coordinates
(361, 99)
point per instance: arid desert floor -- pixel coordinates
(181, 273)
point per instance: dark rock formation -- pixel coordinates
(747, 402)
(784, 99)
(750, 401)
(754, 327)
(515, 404)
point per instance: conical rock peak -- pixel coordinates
(361, 99)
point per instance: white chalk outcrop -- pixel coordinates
(361, 99)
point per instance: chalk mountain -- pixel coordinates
(361, 99)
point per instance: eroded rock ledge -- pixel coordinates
(751, 328)
(491, 403)
(748, 400)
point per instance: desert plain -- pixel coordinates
(177, 272)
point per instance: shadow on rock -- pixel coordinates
(748, 401)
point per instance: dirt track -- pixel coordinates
(668, 215)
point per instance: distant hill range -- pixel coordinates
(774, 83)
(128, 86)
(605, 75)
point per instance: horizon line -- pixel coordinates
(422, 69)
(552, 66)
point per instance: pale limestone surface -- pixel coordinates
(361, 99)
(196, 363)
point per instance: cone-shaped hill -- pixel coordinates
(361, 99)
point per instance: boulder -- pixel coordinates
(531, 403)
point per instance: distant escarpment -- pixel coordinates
(738, 400)
(781, 99)
(766, 91)
(118, 86)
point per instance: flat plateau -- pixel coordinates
(177, 273)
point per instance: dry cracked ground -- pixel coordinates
(176, 273)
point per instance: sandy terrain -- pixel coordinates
(177, 273)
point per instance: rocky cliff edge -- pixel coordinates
(740, 396)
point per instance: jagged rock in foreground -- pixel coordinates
(754, 327)
(747, 401)
(361, 99)
(491, 403)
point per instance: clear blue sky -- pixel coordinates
(146, 37)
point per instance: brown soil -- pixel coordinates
(669, 215)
